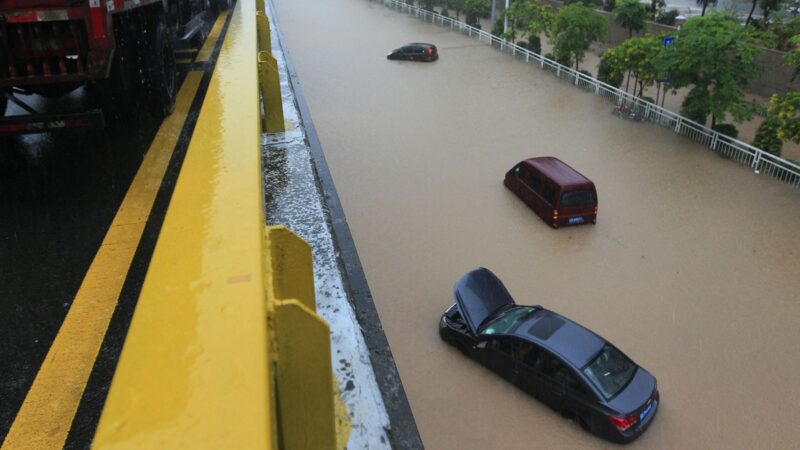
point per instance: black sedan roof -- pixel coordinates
(576, 344)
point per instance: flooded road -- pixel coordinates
(692, 269)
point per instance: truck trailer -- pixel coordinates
(122, 51)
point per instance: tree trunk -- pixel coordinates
(750, 16)
(705, 3)
(630, 33)
(713, 121)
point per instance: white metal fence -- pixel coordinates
(733, 149)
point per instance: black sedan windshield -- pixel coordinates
(610, 371)
(506, 320)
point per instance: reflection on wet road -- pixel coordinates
(692, 268)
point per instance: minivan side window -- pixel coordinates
(549, 193)
(534, 181)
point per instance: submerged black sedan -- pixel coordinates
(415, 51)
(558, 361)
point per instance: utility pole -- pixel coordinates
(492, 14)
(505, 19)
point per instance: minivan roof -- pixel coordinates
(559, 171)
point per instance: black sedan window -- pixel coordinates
(610, 371)
(506, 320)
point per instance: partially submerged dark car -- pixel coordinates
(415, 51)
(558, 361)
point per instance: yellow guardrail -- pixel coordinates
(225, 349)
(269, 80)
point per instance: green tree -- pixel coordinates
(474, 10)
(792, 57)
(640, 57)
(768, 6)
(537, 19)
(516, 13)
(716, 55)
(610, 70)
(631, 14)
(574, 29)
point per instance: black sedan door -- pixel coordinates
(539, 378)
(496, 354)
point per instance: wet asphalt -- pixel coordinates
(59, 193)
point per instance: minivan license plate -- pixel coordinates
(576, 220)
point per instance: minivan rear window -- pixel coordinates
(583, 197)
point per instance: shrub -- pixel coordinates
(445, 12)
(587, 73)
(535, 44)
(728, 129)
(497, 29)
(767, 137)
(609, 76)
(695, 106)
(609, 5)
(648, 99)
(550, 56)
(522, 44)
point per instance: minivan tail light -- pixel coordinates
(430, 51)
(623, 423)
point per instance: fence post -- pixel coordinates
(714, 140)
(678, 125)
(756, 160)
(597, 89)
(558, 70)
(577, 77)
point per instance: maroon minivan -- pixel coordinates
(559, 194)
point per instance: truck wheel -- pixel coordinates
(160, 75)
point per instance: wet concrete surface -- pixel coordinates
(58, 195)
(692, 269)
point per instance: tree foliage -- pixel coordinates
(609, 70)
(784, 110)
(474, 10)
(574, 29)
(767, 138)
(717, 55)
(639, 56)
(631, 14)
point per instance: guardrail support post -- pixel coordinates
(268, 79)
(270, 83)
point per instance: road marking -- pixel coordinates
(186, 50)
(183, 61)
(211, 41)
(46, 415)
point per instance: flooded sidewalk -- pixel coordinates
(692, 269)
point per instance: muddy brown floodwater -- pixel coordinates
(692, 269)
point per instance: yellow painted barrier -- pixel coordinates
(269, 79)
(225, 349)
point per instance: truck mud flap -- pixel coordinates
(40, 123)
